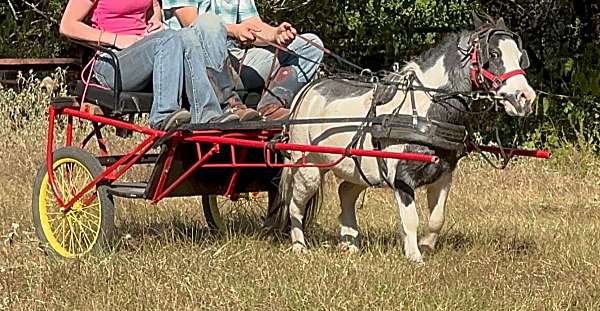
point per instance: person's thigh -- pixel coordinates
(136, 63)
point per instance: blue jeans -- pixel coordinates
(257, 63)
(156, 59)
(205, 49)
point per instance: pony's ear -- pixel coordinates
(500, 23)
(477, 22)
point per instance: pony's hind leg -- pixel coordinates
(305, 184)
(348, 193)
(437, 193)
(410, 223)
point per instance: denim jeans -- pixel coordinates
(207, 83)
(156, 59)
(258, 61)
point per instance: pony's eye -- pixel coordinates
(494, 54)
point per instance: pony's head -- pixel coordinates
(498, 63)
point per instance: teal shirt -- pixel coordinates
(231, 11)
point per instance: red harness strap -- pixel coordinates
(479, 74)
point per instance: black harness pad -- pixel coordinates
(426, 132)
(384, 93)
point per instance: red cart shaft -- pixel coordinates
(541, 154)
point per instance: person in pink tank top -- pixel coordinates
(148, 55)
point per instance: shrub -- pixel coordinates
(23, 108)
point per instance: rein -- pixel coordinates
(379, 125)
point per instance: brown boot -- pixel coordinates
(274, 112)
(278, 98)
(238, 108)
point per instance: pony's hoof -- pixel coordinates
(427, 243)
(348, 248)
(416, 259)
(299, 249)
(426, 248)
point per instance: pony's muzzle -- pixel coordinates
(525, 102)
(518, 104)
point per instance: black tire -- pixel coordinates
(219, 211)
(90, 227)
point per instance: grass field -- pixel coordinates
(520, 239)
(526, 238)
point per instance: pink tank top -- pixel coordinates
(122, 16)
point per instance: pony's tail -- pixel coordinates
(278, 214)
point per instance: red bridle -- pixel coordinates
(479, 74)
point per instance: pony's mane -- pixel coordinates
(453, 62)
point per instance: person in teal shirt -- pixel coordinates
(245, 27)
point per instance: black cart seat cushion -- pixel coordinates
(128, 102)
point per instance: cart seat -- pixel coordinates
(128, 102)
(140, 102)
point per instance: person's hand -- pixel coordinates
(153, 26)
(285, 34)
(245, 33)
(124, 41)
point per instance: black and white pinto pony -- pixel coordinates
(489, 58)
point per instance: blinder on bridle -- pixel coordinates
(479, 55)
(486, 35)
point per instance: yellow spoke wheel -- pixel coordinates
(243, 213)
(89, 225)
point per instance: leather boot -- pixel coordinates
(223, 84)
(235, 106)
(275, 103)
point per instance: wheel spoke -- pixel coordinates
(51, 203)
(81, 223)
(64, 233)
(52, 220)
(56, 230)
(72, 180)
(90, 214)
(77, 234)
(88, 207)
(67, 177)
(93, 221)
(83, 230)
(81, 183)
(60, 181)
(71, 234)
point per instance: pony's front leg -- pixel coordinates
(348, 193)
(437, 193)
(305, 184)
(410, 223)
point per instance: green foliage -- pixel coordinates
(30, 28)
(374, 33)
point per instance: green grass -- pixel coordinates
(526, 238)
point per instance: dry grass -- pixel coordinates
(522, 239)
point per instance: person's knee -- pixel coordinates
(189, 38)
(171, 36)
(175, 42)
(312, 51)
(314, 38)
(210, 25)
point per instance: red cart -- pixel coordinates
(73, 207)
